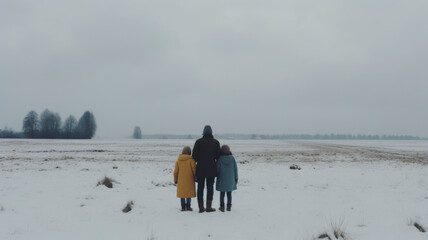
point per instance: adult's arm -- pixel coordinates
(193, 166)
(218, 151)
(195, 151)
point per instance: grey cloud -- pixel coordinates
(242, 66)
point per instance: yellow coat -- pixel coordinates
(184, 176)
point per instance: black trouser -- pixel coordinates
(210, 188)
(185, 201)
(229, 198)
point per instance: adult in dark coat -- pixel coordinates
(206, 152)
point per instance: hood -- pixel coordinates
(226, 160)
(207, 130)
(184, 157)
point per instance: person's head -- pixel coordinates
(186, 150)
(207, 131)
(225, 150)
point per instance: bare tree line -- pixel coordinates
(49, 126)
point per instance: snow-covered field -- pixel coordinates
(368, 189)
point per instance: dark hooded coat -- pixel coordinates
(206, 152)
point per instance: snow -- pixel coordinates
(368, 189)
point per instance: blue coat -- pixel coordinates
(227, 173)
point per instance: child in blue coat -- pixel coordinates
(227, 176)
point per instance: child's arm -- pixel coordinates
(176, 173)
(218, 169)
(236, 170)
(193, 166)
(218, 151)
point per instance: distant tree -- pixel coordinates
(87, 126)
(137, 133)
(9, 133)
(69, 128)
(30, 125)
(50, 124)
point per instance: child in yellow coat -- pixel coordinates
(184, 177)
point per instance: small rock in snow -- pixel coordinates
(295, 167)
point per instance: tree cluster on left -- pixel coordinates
(49, 125)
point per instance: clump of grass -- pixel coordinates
(419, 227)
(108, 182)
(128, 207)
(164, 184)
(339, 234)
(339, 230)
(324, 235)
(336, 231)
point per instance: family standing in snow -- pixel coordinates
(207, 162)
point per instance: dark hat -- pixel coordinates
(225, 150)
(207, 130)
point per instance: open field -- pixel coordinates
(368, 189)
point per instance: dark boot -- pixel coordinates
(201, 206)
(188, 208)
(183, 207)
(221, 208)
(209, 208)
(229, 207)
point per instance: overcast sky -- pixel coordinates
(274, 67)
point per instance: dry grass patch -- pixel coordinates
(89, 159)
(162, 184)
(128, 207)
(125, 160)
(108, 182)
(337, 231)
(416, 160)
(419, 227)
(244, 162)
(324, 235)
